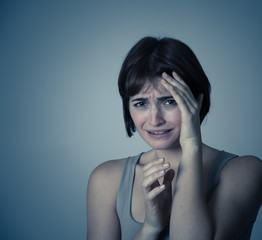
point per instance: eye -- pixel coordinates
(139, 104)
(170, 102)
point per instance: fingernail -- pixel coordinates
(166, 165)
(161, 172)
(162, 186)
(161, 160)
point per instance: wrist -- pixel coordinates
(191, 143)
(150, 232)
(192, 155)
(193, 149)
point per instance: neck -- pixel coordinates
(170, 155)
(167, 152)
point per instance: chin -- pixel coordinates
(166, 143)
(163, 146)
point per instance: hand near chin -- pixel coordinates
(189, 107)
(158, 197)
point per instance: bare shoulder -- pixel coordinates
(237, 198)
(102, 219)
(107, 174)
(245, 167)
(242, 179)
(109, 167)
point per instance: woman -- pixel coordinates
(182, 188)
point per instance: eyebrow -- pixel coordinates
(164, 98)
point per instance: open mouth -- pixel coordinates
(159, 132)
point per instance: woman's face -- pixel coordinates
(156, 116)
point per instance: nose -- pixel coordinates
(156, 117)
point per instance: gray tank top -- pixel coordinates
(129, 226)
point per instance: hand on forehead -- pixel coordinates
(155, 88)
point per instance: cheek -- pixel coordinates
(137, 117)
(174, 116)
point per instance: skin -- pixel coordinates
(155, 110)
(170, 179)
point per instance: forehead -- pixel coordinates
(155, 88)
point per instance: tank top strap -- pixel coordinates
(214, 173)
(129, 226)
(124, 195)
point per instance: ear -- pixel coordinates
(199, 99)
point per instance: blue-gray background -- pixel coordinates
(60, 110)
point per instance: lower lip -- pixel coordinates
(160, 135)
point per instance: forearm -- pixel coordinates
(146, 233)
(189, 217)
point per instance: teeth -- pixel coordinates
(159, 132)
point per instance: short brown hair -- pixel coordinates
(148, 59)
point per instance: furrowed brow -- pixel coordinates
(139, 100)
(165, 98)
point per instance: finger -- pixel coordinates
(156, 168)
(179, 83)
(184, 100)
(175, 81)
(199, 99)
(148, 182)
(177, 95)
(188, 99)
(155, 192)
(178, 78)
(155, 184)
(153, 163)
